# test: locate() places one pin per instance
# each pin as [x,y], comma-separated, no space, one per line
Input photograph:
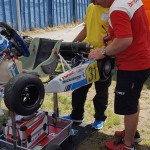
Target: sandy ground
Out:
[67,34]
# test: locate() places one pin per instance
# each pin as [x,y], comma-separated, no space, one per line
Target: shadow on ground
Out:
[83,132]
[142,147]
[89,139]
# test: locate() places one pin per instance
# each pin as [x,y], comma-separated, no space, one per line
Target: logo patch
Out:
[120,92]
[132,2]
[105,17]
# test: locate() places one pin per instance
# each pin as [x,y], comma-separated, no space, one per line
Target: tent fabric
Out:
[146,4]
[147,8]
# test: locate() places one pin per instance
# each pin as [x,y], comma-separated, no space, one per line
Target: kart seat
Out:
[42,60]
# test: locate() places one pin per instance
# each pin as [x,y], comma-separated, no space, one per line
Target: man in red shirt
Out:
[128,27]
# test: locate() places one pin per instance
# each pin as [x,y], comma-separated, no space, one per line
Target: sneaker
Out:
[119,145]
[98,124]
[137,137]
[69,118]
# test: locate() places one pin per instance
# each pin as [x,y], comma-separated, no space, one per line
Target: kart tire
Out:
[105,68]
[24,94]
[52,147]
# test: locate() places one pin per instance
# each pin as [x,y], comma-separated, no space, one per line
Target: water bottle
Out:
[12,69]
[3,43]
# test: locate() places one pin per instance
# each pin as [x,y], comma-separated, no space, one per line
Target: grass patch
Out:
[113,118]
[113,121]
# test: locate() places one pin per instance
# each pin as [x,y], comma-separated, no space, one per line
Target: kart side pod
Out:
[81,75]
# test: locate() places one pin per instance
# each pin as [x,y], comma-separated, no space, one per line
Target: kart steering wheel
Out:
[17,41]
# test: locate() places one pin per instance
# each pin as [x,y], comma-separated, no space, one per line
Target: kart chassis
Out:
[59,129]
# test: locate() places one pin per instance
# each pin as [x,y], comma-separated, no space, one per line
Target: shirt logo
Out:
[105,17]
[131,3]
[120,92]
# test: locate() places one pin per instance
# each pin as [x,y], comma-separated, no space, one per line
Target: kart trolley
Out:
[24,93]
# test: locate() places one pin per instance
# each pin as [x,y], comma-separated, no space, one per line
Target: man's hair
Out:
[93,1]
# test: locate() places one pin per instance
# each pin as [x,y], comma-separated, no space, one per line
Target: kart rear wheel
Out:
[105,68]
[52,147]
[24,94]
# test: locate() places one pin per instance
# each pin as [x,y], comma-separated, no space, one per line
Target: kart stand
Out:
[50,130]
[58,130]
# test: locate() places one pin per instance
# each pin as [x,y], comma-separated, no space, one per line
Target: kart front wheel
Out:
[24,94]
[105,67]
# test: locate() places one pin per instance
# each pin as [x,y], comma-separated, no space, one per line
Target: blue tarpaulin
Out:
[42,13]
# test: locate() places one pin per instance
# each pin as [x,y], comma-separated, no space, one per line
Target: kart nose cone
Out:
[52,87]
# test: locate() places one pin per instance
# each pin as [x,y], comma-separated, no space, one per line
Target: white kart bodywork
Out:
[74,78]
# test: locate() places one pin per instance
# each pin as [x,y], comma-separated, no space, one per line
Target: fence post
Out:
[18,16]
[50,19]
[74,11]
[3,11]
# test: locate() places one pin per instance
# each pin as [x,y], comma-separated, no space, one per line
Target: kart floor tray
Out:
[59,130]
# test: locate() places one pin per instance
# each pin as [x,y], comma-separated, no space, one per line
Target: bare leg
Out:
[131,122]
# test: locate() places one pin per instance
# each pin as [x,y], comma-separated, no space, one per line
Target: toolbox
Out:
[30,129]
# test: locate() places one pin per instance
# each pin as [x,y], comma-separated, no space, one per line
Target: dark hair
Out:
[93,1]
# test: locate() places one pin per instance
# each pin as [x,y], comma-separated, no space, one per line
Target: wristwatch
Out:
[103,50]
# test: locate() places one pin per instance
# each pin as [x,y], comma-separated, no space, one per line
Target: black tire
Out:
[105,68]
[52,147]
[24,94]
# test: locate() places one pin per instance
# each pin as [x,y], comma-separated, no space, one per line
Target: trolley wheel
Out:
[24,94]
[52,147]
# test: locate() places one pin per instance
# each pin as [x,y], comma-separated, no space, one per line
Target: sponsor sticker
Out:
[105,17]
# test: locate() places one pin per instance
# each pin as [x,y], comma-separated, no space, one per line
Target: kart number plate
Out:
[92,72]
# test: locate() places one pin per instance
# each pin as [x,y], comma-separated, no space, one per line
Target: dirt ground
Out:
[97,140]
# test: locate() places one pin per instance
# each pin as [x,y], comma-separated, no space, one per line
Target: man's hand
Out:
[106,39]
[96,54]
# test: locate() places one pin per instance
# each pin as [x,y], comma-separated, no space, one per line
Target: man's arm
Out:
[118,45]
[81,36]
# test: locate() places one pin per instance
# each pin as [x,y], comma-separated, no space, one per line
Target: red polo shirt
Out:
[137,55]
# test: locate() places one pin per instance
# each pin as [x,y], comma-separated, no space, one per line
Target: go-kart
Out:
[24,91]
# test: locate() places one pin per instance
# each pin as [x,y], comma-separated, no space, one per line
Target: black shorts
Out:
[128,90]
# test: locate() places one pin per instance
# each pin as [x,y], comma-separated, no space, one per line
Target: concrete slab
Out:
[67,34]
